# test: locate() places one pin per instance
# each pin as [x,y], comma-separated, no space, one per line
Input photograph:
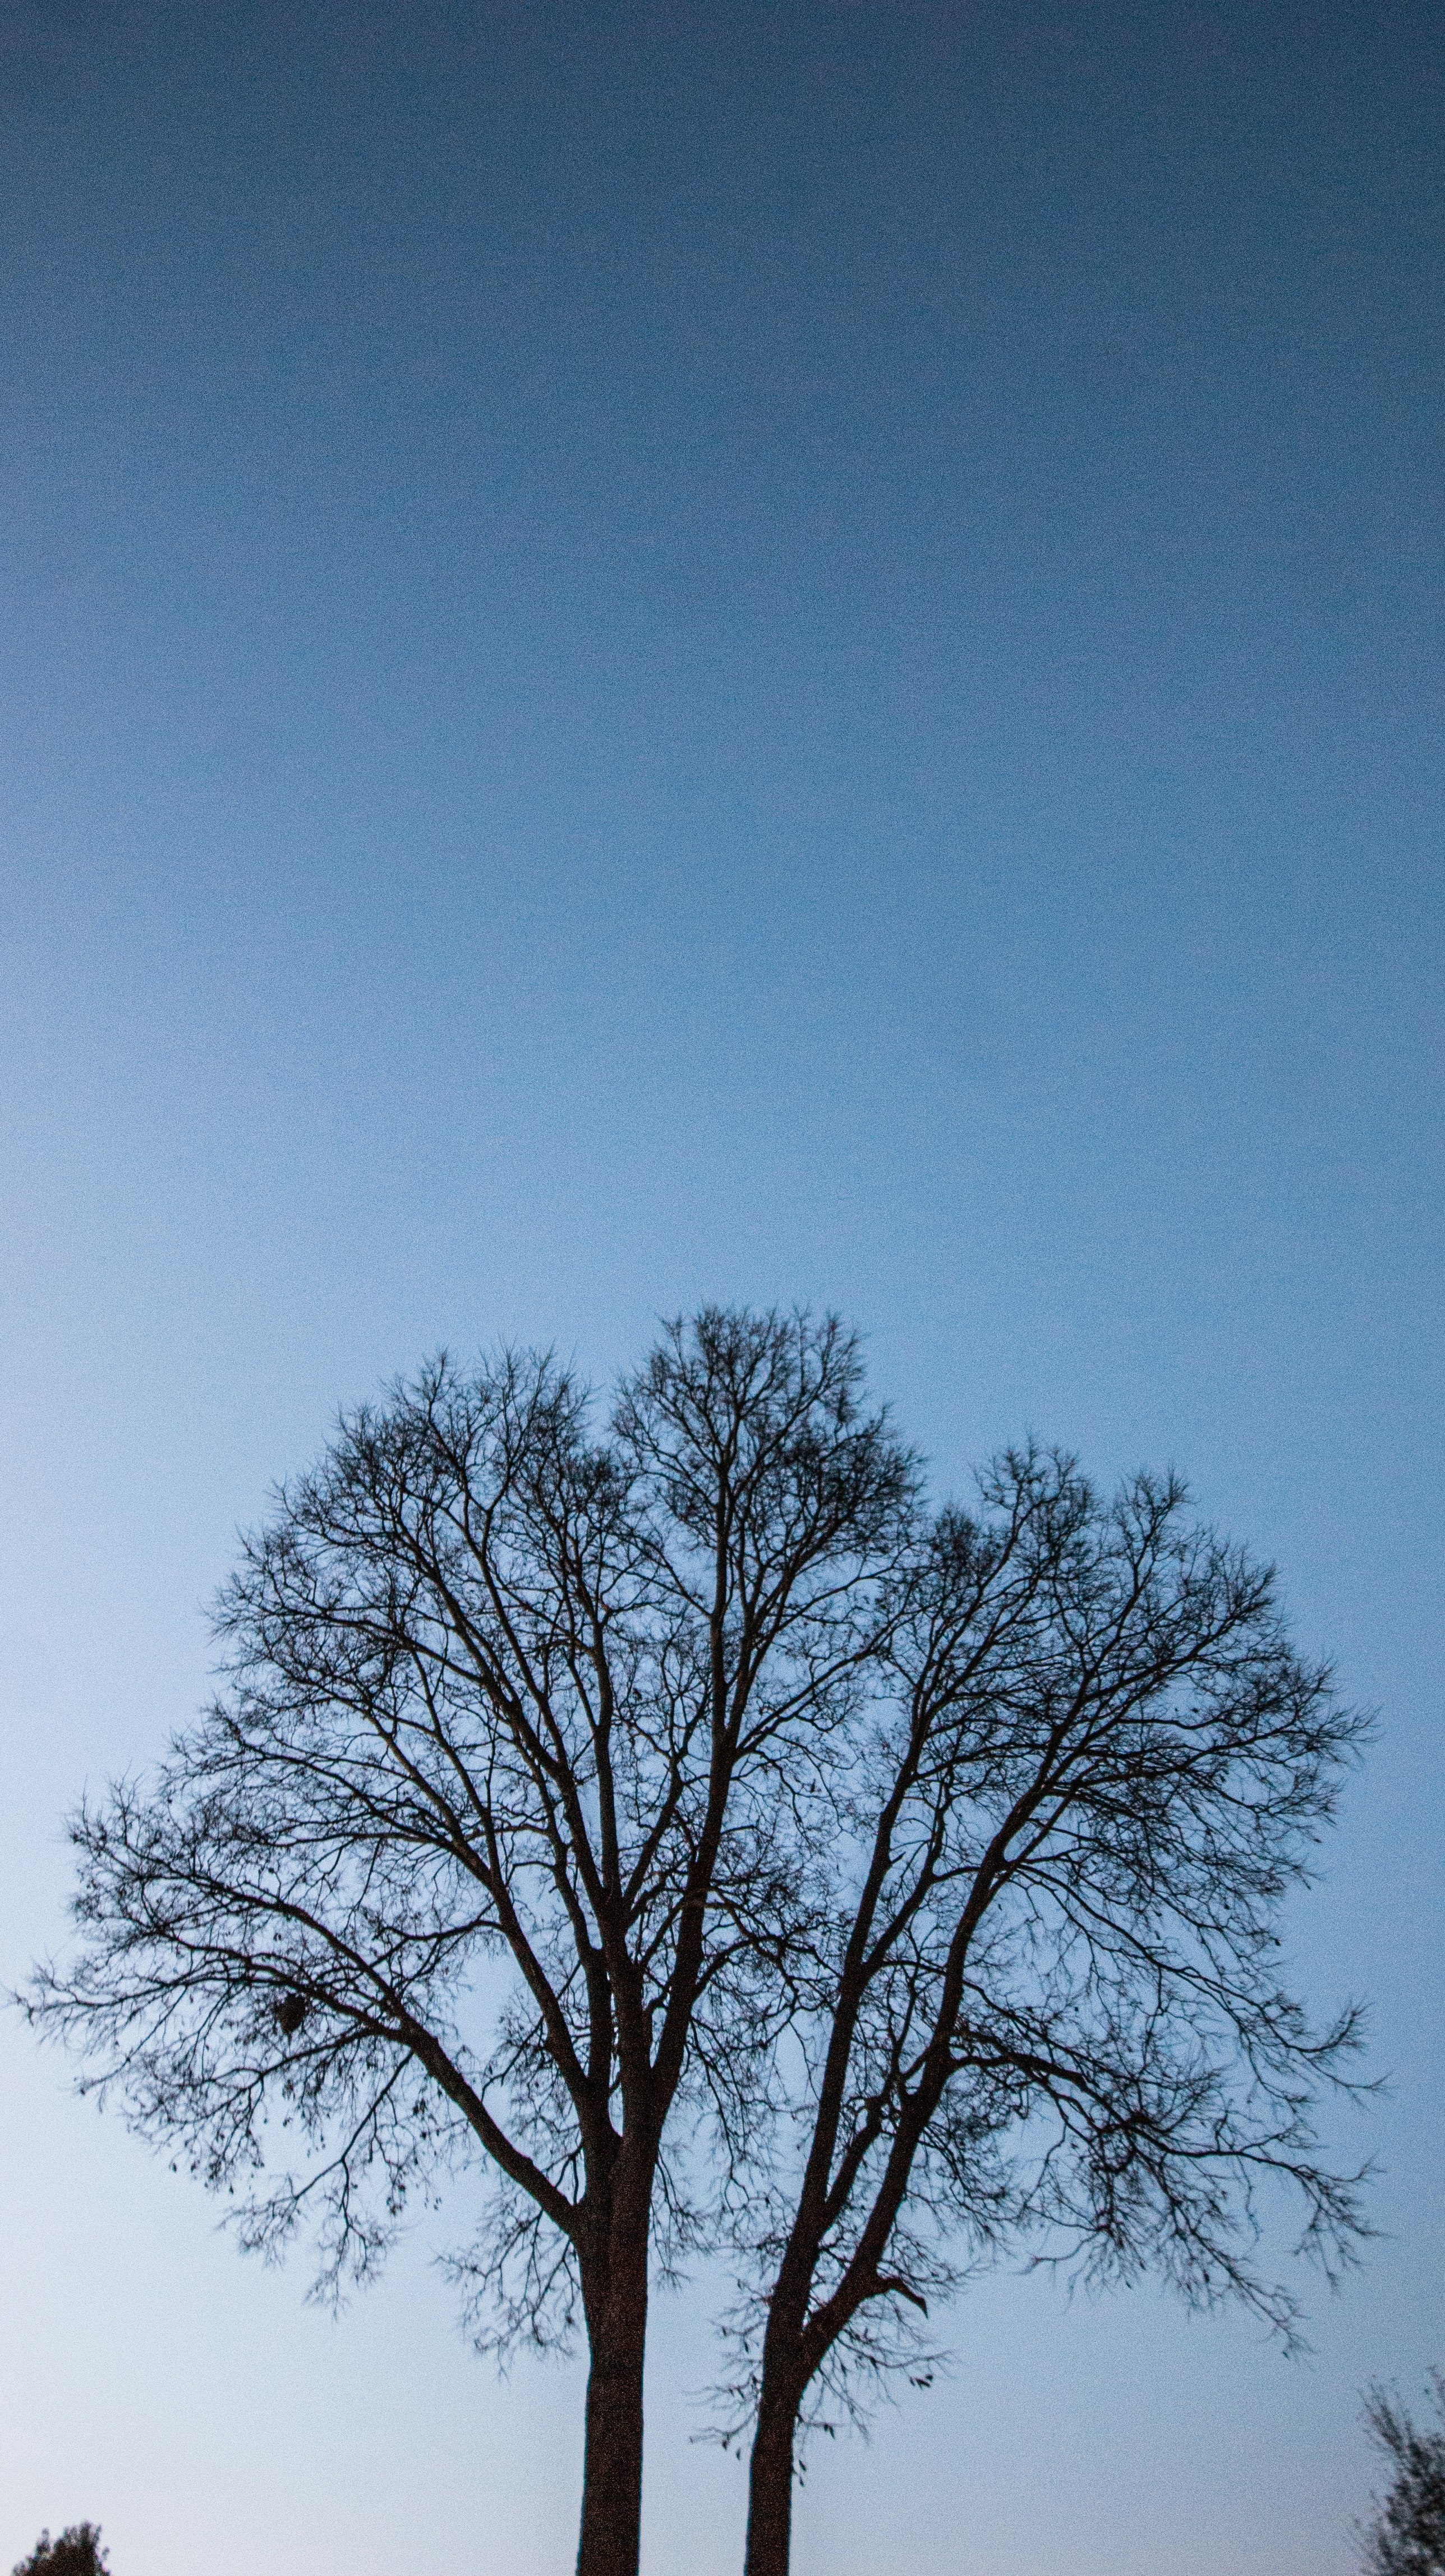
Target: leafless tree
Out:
[492,1843]
[1048,2013]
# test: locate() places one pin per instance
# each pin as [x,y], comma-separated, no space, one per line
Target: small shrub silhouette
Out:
[76,2553]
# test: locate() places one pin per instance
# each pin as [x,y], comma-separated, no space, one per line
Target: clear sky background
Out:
[659,652]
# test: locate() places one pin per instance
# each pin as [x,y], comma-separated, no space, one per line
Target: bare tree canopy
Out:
[679,1826]
[489,1847]
[1047,2010]
[1407,2535]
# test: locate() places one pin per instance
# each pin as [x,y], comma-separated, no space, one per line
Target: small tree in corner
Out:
[76,2553]
[1407,2536]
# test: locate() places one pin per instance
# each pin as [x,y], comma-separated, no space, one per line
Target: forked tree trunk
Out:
[611,2534]
[770,2483]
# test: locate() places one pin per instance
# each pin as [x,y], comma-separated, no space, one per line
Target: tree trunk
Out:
[611,2534]
[770,2483]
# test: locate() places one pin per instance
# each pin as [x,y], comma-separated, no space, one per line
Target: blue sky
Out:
[654,653]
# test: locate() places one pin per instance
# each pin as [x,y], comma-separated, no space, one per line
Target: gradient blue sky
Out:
[660,652]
